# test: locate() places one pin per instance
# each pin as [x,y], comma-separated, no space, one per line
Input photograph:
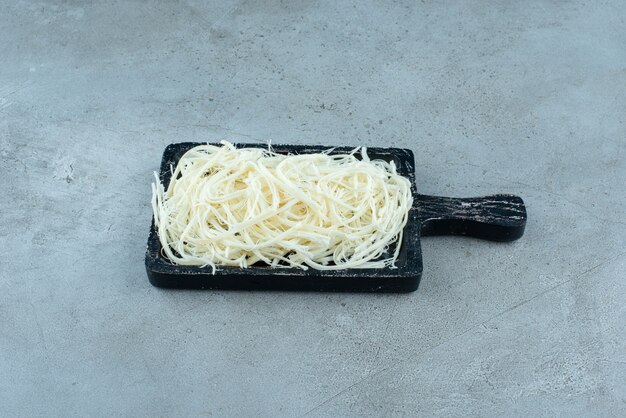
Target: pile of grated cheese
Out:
[228,206]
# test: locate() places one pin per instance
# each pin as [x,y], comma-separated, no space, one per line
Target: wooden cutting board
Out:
[499,217]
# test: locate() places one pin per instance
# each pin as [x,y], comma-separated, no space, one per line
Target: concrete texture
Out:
[520,97]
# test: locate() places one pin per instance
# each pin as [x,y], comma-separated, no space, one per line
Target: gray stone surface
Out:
[520,97]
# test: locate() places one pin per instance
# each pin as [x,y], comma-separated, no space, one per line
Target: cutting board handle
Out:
[500,217]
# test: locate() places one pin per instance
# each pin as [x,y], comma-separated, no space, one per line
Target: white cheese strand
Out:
[234,207]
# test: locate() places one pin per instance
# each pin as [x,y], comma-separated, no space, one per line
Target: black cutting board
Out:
[499,217]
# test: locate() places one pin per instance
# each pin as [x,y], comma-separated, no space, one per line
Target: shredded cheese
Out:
[226,206]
